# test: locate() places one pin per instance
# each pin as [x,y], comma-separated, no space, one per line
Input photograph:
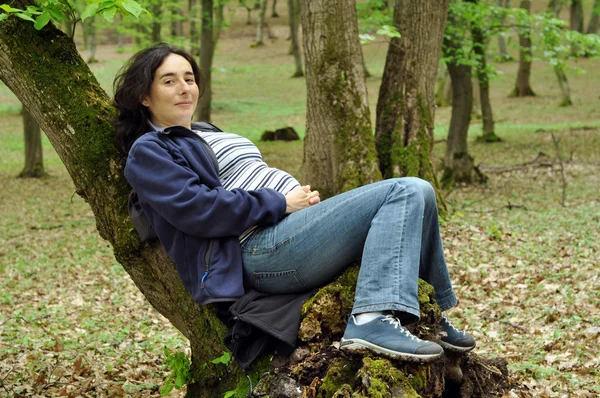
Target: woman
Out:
[239,223]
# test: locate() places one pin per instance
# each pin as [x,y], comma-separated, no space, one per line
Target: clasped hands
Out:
[300,198]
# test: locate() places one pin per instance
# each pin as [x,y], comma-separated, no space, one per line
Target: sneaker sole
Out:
[454,348]
[358,344]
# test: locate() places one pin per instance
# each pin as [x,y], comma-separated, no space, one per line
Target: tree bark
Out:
[206,58]
[261,23]
[458,165]
[487,116]
[274,10]
[34,160]
[156,10]
[339,148]
[594,18]
[44,70]
[576,23]
[193,15]
[295,46]
[405,107]
[522,86]
[217,24]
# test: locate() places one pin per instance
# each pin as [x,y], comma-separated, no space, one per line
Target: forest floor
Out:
[523,249]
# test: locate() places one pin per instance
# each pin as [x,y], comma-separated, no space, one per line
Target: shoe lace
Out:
[447,321]
[397,325]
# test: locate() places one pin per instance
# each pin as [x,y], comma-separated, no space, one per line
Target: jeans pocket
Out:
[279,282]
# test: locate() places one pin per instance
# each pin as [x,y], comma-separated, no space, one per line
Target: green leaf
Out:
[224,359]
[132,7]
[41,21]
[109,14]
[25,17]
[230,394]
[8,8]
[3,17]
[90,11]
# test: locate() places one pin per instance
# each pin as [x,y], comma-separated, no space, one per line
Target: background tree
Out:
[594,18]
[503,52]
[405,107]
[261,24]
[206,59]
[522,85]
[458,164]
[34,160]
[339,149]
[294,12]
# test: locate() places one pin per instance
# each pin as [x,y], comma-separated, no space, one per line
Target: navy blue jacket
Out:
[196,219]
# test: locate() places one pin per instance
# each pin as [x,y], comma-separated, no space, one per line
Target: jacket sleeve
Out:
[178,195]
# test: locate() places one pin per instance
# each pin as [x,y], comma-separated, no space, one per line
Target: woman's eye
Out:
[190,81]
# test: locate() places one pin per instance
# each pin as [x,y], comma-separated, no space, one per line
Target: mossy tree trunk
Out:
[458,164]
[487,115]
[206,59]
[339,148]
[522,86]
[293,11]
[44,70]
[405,107]
[34,160]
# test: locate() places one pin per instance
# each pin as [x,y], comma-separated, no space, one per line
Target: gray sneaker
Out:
[454,339]
[385,335]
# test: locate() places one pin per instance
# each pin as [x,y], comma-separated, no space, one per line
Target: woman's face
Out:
[174,93]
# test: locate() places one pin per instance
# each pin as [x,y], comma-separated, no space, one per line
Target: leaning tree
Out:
[44,70]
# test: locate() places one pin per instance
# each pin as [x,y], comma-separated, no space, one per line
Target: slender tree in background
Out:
[559,67]
[274,10]
[206,58]
[261,24]
[293,11]
[193,36]
[523,86]
[458,164]
[576,22]
[34,161]
[480,41]
[504,55]
[90,39]
[405,107]
[594,18]
[339,149]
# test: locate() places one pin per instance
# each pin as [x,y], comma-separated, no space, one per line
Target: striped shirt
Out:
[241,166]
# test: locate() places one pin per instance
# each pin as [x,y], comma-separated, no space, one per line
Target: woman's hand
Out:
[300,198]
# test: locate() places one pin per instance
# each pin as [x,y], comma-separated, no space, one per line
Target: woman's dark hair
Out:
[133,83]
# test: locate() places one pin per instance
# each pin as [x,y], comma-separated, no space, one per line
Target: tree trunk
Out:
[564,86]
[34,161]
[339,149]
[554,6]
[405,107]
[295,46]
[193,15]
[217,24]
[120,35]
[40,68]
[261,23]
[458,165]
[594,18]
[156,25]
[274,10]
[576,23]
[522,86]
[206,57]
[487,116]
[504,55]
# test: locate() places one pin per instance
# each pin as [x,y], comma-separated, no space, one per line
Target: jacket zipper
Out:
[207,262]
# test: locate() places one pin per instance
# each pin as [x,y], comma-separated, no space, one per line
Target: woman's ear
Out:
[146,102]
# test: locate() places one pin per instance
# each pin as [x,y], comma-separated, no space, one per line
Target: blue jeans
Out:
[392,224]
